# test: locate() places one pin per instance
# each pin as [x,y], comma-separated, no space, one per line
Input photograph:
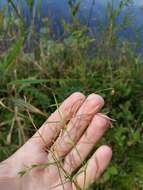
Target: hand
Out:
[54,158]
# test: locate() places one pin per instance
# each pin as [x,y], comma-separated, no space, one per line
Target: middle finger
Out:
[77,125]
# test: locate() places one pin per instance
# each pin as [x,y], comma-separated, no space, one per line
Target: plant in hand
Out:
[54,158]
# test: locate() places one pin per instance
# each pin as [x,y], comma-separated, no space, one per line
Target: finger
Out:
[78,124]
[52,127]
[94,168]
[94,132]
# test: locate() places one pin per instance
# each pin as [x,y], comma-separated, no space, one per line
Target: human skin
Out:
[54,157]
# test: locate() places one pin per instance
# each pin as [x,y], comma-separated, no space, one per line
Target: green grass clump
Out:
[105,65]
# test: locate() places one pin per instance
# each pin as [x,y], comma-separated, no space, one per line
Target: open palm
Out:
[54,158]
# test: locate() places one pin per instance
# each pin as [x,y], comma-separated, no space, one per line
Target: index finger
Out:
[57,121]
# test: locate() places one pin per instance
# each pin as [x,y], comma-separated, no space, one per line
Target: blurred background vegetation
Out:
[35,64]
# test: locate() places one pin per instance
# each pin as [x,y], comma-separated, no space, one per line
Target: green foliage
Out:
[103,65]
